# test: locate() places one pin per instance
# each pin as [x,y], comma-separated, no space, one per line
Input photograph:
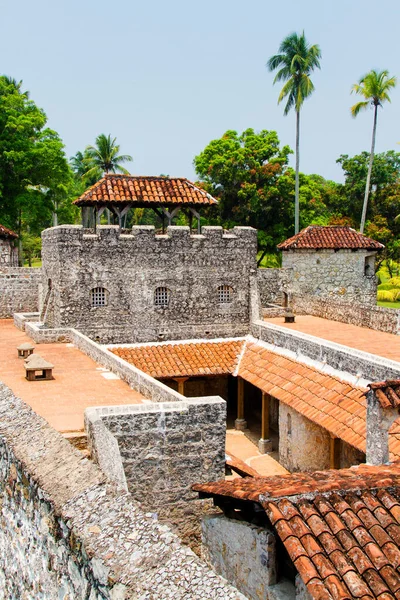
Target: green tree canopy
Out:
[34,172]
[249,175]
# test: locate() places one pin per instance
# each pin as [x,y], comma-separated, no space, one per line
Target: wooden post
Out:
[181,384]
[334,453]
[240,422]
[264,443]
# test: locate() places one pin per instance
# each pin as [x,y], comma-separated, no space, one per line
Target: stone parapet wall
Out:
[158,451]
[131,267]
[67,532]
[356,362]
[374,317]
[272,283]
[332,274]
[165,447]
[19,290]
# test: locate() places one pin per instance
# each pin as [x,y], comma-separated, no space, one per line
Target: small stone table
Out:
[25,350]
[37,368]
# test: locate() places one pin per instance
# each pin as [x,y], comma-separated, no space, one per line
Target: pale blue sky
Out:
[165,78]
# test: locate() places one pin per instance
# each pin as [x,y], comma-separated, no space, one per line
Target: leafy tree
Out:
[296,61]
[374,87]
[104,157]
[248,173]
[32,159]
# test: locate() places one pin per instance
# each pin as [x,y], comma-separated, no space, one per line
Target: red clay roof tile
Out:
[7,233]
[350,538]
[319,237]
[144,191]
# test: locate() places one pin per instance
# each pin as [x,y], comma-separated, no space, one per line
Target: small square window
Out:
[99,297]
[225,294]
[161,297]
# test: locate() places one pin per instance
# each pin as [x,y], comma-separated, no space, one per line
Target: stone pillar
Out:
[264,443]
[334,461]
[379,420]
[240,423]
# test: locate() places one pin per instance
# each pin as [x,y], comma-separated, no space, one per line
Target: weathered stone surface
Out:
[303,445]
[67,534]
[8,253]
[373,317]
[242,553]
[342,358]
[165,448]
[131,267]
[332,274]
[19,290]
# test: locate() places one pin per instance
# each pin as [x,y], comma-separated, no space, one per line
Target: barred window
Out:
[99,296]
[161,296]
[225,294]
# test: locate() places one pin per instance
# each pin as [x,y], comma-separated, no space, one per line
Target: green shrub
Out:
[395,282]
[385,286]
[387,295]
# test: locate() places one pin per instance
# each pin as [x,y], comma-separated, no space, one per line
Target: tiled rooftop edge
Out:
[178,342]
[387,369]
[96,412]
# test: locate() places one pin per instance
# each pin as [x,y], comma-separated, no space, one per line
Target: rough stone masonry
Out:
[129,268]
[68,533]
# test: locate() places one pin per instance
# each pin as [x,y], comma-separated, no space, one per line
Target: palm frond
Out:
[356,108]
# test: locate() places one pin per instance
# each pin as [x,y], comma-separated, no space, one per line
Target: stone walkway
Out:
[78,381]
[241,447]
[361,338]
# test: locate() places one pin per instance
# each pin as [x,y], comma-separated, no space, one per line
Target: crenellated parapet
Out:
[146,234]
[136,285]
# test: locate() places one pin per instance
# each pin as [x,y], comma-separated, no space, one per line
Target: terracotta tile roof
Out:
[340,528]
[239,466]
[178,360]
[7,233]
[317,236]
[144,191]
[387,392]
[335,405]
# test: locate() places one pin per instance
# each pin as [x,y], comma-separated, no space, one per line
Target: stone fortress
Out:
[180,316]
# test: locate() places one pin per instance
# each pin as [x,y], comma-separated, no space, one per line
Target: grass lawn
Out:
[389,304]
[36,262]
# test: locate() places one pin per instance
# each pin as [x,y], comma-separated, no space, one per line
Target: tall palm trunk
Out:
[367,185]
[296,188]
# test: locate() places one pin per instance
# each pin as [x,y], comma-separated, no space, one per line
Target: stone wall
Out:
[356,362]
[8,253]
[271,284]
[165,447]
[67,533]
[131,267]
[242,553]
[374,317]
[332,274]
[158,451]
[19,290]
[303,445]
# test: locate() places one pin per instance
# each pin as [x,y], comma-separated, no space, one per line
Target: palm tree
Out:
[296,61]
[16,84]
[104,157]
[374,86]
